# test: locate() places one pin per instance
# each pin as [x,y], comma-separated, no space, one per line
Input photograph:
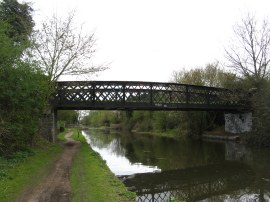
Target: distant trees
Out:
[211,75]
[61,48]
[67,117]
[101,118]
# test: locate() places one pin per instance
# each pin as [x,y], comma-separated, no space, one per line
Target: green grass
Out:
[91,179]
[25,169]
[79,138]
[61,136]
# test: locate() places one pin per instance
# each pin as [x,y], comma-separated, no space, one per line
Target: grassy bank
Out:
[25,169]
[91,179]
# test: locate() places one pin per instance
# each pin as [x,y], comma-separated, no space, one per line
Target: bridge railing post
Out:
[124,95]
[208,97]
[93,92]
[187,95]
[151,94]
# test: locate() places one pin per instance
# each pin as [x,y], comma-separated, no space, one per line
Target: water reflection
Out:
[161,169]
[190,184]
[114,155]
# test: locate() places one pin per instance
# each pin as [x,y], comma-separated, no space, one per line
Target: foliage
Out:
[260,136]
[197,122]
[22,100]
[101,118]
[61,136]
[19,17]
[8,52]
[164,121]
[24,89]
[211,75]
[249,55]
[61,48]
[68,116]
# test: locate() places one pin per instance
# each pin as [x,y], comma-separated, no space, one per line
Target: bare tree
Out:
[62,49]
[248,52]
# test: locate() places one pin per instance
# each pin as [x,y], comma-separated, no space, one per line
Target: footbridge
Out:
[135,95]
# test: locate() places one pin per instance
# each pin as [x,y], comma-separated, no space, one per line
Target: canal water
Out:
[164,169]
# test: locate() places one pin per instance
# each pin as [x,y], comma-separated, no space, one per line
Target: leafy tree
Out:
[23,88]
[211,75]
[101,118]
[260,135]
[62,49]
[8,52]
[19,17]
[22,100]
[68,116]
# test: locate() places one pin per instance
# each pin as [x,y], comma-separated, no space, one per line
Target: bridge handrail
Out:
[141,82]
[154,95]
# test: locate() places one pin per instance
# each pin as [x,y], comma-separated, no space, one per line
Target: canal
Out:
[164,169]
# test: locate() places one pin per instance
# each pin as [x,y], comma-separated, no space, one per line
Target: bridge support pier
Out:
[54,125]
[238,123]
[48,127]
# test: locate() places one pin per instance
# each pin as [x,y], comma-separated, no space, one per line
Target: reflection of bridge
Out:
[142,96]
[191,184]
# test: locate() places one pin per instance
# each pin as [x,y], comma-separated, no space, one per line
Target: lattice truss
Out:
[191,192]
[155,94]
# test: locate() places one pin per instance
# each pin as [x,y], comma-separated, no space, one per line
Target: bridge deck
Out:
[121,95]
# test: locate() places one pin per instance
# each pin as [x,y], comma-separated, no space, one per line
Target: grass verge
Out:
[25,169]
[91,179]
[61,136]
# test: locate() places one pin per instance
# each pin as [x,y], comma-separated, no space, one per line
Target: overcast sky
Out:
[146,40]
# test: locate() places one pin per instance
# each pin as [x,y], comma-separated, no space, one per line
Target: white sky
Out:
[146,40]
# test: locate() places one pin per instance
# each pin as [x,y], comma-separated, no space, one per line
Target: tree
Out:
[23,88]
[19,17]
[22,100]
[68,116]
[248,52]
[63,49]
[211,75]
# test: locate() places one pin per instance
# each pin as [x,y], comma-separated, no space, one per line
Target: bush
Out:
[23,97]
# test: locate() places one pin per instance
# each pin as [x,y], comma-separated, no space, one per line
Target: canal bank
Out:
[73,172]
[92,180]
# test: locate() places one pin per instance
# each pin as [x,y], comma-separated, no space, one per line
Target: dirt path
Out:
[56,187]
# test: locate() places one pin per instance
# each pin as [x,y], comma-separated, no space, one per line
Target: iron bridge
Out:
[131,95]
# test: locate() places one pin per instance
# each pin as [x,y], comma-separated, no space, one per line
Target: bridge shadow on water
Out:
[192,184]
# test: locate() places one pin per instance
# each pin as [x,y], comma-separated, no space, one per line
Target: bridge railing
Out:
[141,95]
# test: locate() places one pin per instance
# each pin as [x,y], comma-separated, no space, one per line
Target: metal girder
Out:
[131,95]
